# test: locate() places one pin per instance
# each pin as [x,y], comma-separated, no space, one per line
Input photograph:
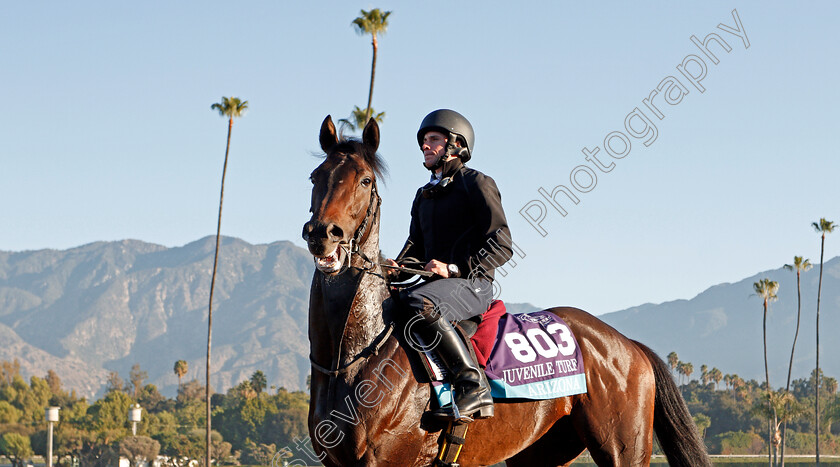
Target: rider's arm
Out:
[496,247]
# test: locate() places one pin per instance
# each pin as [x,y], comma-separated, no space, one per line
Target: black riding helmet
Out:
[450,123]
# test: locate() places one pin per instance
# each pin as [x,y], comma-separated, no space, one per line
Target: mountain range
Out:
[722,326]
[106,306]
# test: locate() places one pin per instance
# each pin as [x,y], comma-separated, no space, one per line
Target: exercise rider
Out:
[459,231]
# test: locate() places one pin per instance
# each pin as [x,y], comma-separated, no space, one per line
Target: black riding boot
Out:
[470,388]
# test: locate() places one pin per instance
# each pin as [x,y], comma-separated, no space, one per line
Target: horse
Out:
[367,406]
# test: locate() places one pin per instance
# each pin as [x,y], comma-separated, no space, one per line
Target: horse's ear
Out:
[328,137]
[370,136]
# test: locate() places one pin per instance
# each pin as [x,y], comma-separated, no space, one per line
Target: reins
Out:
[369,351]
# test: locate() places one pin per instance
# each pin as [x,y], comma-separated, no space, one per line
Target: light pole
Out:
[51,414]
[134,417]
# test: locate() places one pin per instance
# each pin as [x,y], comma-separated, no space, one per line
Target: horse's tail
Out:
[672,422]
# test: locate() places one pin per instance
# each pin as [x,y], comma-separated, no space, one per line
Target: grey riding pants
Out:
[455,299]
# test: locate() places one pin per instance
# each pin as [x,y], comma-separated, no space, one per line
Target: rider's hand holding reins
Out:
[392,273]
[437,267]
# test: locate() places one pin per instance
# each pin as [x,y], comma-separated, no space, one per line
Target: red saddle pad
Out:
[485,337]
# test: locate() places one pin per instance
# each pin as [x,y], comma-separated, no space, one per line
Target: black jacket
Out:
[462,223]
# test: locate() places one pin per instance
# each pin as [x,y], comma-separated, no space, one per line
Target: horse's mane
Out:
[355,146]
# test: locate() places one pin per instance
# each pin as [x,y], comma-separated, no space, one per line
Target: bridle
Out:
[368,266]
[352,247]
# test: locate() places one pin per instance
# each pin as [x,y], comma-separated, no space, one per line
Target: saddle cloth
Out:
[526,356]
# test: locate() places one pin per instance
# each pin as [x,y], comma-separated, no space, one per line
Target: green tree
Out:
[71,440]
[16,447]
[799,265]
[152,400]
[373,22]
[258,454]
[54,382]
[115,383]
[137,376]
[8,371]
[823,227]
[9,413]
[704,374]
[258,381]
[108,417]
[229,108]
[702,421]
[138,449]
[181,369]
[766,290]
[30,399]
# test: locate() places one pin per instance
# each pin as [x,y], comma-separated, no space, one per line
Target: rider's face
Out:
[434,146]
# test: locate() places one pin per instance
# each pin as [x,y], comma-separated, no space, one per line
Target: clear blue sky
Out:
[108,132]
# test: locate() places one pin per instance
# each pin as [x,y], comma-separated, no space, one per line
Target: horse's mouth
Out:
[331,263]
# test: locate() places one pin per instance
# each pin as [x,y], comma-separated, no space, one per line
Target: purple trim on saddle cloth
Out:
[535,357]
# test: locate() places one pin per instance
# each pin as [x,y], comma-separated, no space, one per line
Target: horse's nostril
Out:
[307,229]
[335,232]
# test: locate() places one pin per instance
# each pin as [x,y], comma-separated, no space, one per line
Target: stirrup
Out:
[450,413]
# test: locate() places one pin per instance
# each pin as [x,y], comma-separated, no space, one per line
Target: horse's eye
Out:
[312,179]
[366,182]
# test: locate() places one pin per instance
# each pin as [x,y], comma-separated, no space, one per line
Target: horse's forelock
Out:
[354,146]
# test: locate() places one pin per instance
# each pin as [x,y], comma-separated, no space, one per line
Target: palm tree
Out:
[673,360]
[716,375]
[824,227]
[258,381]
[689,369]
[371,22]
[680,371]
[357,119]
[230,108]
[181,368]
[766,290]
[799,265]
[830,384]
[704,374]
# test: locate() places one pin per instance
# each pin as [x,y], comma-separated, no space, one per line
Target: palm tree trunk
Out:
[817,401]
[372,75]
[210,307]
[767,379]
[790,366]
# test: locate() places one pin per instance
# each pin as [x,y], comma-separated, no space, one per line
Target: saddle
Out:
[480,331]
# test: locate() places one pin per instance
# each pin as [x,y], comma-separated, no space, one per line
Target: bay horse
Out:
[366,405]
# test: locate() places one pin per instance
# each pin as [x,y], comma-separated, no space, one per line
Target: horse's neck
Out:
[347,310]
[365,321]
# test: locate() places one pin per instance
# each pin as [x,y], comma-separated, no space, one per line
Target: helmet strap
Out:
[451,149]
